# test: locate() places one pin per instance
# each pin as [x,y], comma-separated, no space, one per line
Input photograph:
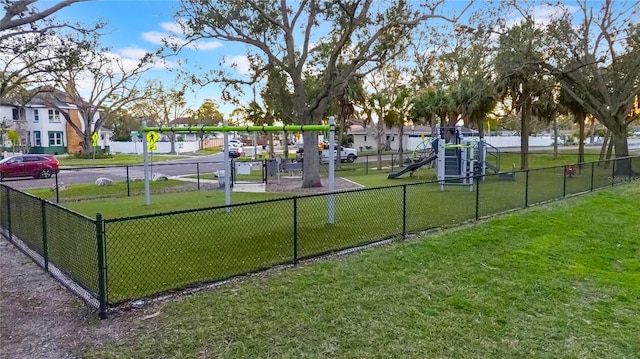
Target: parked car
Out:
[235,152]
[235,142]
[346,155]
[37,166]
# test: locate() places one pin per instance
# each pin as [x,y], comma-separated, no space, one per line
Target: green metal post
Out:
[45,245]
[102,296]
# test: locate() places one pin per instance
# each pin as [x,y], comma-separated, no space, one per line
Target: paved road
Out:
[185,166]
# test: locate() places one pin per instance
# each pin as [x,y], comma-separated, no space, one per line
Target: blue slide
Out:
[412,167]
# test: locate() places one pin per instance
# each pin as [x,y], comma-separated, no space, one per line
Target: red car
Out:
[37,166]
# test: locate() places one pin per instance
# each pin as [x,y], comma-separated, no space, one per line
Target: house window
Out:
[55,138]
[36,115]
[17,113]
[365,138]
[54,116]
[37,139]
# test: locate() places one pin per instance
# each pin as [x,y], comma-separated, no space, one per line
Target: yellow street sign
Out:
[152,147]
[94,139]
[152,137]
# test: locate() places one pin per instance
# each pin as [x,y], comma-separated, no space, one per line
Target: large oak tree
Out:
[306,37]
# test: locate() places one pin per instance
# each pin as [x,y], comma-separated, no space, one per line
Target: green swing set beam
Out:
[196,129]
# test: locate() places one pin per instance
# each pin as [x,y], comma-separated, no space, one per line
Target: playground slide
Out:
[413,167]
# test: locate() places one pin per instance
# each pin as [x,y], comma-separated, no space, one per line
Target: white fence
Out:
[163,147]
[495,141]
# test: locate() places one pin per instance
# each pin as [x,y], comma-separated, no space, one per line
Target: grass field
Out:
[119,159]
[151,254]
[147,255]
[560,281]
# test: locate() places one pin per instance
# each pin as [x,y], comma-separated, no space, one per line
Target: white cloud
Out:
[132,52]
[240,63]
[155,37]
[172,27]
[158,38]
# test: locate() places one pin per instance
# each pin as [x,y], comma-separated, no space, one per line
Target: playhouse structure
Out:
[458,161]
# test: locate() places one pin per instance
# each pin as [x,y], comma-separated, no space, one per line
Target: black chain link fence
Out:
[122,259]
[62,242]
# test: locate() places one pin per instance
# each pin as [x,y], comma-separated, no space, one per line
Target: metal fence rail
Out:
[111,261]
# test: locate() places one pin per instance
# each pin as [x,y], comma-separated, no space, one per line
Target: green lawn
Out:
[118,159]
[152,254]
[165,252]
[210,150]
[552,282]
[90,192]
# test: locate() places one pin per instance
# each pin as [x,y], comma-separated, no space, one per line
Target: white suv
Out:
[346,155]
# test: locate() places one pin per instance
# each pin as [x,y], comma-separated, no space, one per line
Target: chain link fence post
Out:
[526,189]
[564,181]
[613,173]
[366,168]
[45,245]
[198,173]
[477,200]
[592,173]
[404,211]
[102,296]
[295,230]
[9,214]
[128,181]
[57,189]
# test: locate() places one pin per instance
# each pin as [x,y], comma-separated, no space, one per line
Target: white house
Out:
[42,128]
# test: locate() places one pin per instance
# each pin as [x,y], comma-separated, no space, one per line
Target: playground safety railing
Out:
[111,261]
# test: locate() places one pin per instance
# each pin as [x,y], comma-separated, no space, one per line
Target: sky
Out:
[137,26]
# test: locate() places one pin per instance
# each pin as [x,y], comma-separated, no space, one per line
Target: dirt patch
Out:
[292,185]
[40,319]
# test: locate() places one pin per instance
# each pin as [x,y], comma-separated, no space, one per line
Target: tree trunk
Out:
[340,129]
[311,162]
[271,151]
[609,148]
[400,145]
[87,149]
[555,137]
[480,124]
[605,143]
[524,128]
[581,136]
[623,162]
[592,130]
[286,146]
[379,134]
[172,138]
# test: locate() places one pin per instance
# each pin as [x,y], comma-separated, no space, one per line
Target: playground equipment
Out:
[457,162]
[150,137]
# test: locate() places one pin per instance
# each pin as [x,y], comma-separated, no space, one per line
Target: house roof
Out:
[181,121]
[43,97]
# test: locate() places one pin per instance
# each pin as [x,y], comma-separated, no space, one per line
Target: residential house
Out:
[42,128]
